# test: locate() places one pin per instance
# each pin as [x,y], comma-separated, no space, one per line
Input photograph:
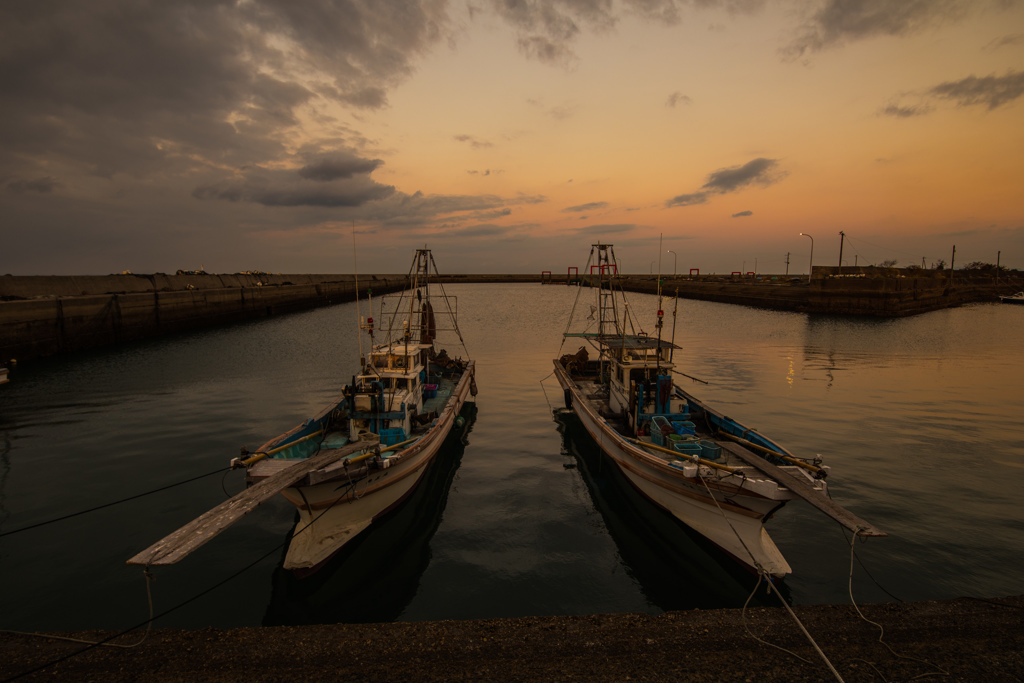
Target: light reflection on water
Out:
[919,419]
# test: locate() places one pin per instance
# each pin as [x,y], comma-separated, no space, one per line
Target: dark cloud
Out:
[688,199]
[677,98]
[743,213]
[759,171]
[342,180]
[607,229]
[905,112]
[990,91]
[113,87]
[587,207]
[546,30]
[1004,41]
[339,167]
[42,185]
[473,142]
[833,23]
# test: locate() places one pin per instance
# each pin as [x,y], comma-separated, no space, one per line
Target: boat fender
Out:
[568,398]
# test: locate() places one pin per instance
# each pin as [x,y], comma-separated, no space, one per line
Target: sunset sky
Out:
[508,135]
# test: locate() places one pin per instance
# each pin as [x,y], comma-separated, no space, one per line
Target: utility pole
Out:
[998,256]
[787,264]
[951,260]
[842,236]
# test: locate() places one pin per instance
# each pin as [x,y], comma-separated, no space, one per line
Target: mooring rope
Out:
[116,502]
[881,630]
[761,571]
[148,623]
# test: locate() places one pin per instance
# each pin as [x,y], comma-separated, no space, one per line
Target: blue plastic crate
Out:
[389,437]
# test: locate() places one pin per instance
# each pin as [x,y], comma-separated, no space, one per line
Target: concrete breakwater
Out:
[44,316]
[48,315]
[883,297]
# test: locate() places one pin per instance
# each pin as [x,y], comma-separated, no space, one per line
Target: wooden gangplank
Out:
[179,544]
[804,490]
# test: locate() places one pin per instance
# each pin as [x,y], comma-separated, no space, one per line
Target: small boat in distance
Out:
[717,476]
[1017,298]
[364,453]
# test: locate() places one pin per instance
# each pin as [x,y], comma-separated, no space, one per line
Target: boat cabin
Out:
[640,379]
[388,394]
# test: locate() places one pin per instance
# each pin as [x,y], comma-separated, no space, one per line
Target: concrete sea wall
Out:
[47,315]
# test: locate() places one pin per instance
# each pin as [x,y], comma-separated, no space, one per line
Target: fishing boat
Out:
[1017,298]
[366,451]
[717,476]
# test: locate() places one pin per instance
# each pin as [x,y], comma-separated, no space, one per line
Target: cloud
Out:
[338,167]
[758,171]
[341,180]
[607,229]
[905,112]
[688,199]
[472,141]
[41,185]
[586,207]
[761,171]
[992,91]
[546,31]
[104,89]
[1005,41]
[836,22]
[989,91]
[743,213]
[678,98]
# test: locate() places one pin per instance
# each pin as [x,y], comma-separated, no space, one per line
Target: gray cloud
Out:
[761,171]
[905,112]
[992,91]
[688,199]
[677,98]
[743,213]
[586,207]
[758,171]
[338,167]
[835,22]
[473,142]
[607,229]
[107,88]
[1004,41]
[989,91]
[547,30]
[42,185]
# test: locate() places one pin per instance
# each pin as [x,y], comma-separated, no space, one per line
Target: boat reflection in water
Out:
[374,577]
[675,567]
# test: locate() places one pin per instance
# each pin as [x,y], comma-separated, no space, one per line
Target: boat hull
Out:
[728,516]
[333,512]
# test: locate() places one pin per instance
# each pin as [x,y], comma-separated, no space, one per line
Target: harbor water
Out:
[918,418]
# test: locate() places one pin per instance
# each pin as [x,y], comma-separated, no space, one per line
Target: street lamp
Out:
[673,262]
[810,268]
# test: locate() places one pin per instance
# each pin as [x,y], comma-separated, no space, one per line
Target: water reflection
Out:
[676,568]
[373,578]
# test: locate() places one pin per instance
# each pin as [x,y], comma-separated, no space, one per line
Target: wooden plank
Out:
[804,490]
[179,544]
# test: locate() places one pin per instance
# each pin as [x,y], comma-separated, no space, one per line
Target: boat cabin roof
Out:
[635,342]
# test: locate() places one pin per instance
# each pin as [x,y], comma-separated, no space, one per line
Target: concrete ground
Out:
[949,640]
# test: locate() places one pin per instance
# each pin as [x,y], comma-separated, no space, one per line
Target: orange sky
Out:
[511,136]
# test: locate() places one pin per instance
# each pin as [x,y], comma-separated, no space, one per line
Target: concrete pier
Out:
[48,315]
[947,640]
[44,316]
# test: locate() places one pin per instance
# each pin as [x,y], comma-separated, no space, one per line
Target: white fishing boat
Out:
[366,451]
[1017,298]
[715,475]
